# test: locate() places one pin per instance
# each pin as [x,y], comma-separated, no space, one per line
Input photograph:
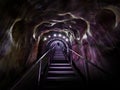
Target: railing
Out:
[33,66]
[45,54]
[87,67]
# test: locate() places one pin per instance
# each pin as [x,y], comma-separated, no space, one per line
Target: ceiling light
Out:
[78,38]
[49,36]
[54,35]
[63,37]
[59,35]
[66,40]
[44,39]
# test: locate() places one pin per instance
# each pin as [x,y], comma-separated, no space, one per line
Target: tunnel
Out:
[59,44]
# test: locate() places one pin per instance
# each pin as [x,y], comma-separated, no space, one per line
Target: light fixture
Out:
[49,36]
[78,39]
[63,37]
[84,36]
[44,39]
[66,39]
[54,35]
[34,35]
[59,35]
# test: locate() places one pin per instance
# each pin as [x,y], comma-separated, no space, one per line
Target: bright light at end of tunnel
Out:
[54,35]
[44,39]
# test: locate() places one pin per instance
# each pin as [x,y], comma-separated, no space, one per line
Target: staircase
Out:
[60,73]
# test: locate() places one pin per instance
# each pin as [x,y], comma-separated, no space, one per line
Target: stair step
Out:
[58,67]
[59,58]
[61,72]
[59,64]
[58,61]
[61,75]
[59,54]
[61,78]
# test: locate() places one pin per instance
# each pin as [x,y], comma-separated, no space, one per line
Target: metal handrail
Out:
[38,61]
[99,68]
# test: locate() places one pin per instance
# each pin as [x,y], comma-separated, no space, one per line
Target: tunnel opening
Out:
[60,45]
[58,42]
[54,35]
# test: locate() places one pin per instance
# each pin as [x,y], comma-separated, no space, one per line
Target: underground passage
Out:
[59,44]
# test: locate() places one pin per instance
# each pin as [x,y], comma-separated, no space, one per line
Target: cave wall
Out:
[18,47]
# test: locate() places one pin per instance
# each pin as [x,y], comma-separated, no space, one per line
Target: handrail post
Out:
[40,63]
[71,58]
[39,73]
[86,68]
